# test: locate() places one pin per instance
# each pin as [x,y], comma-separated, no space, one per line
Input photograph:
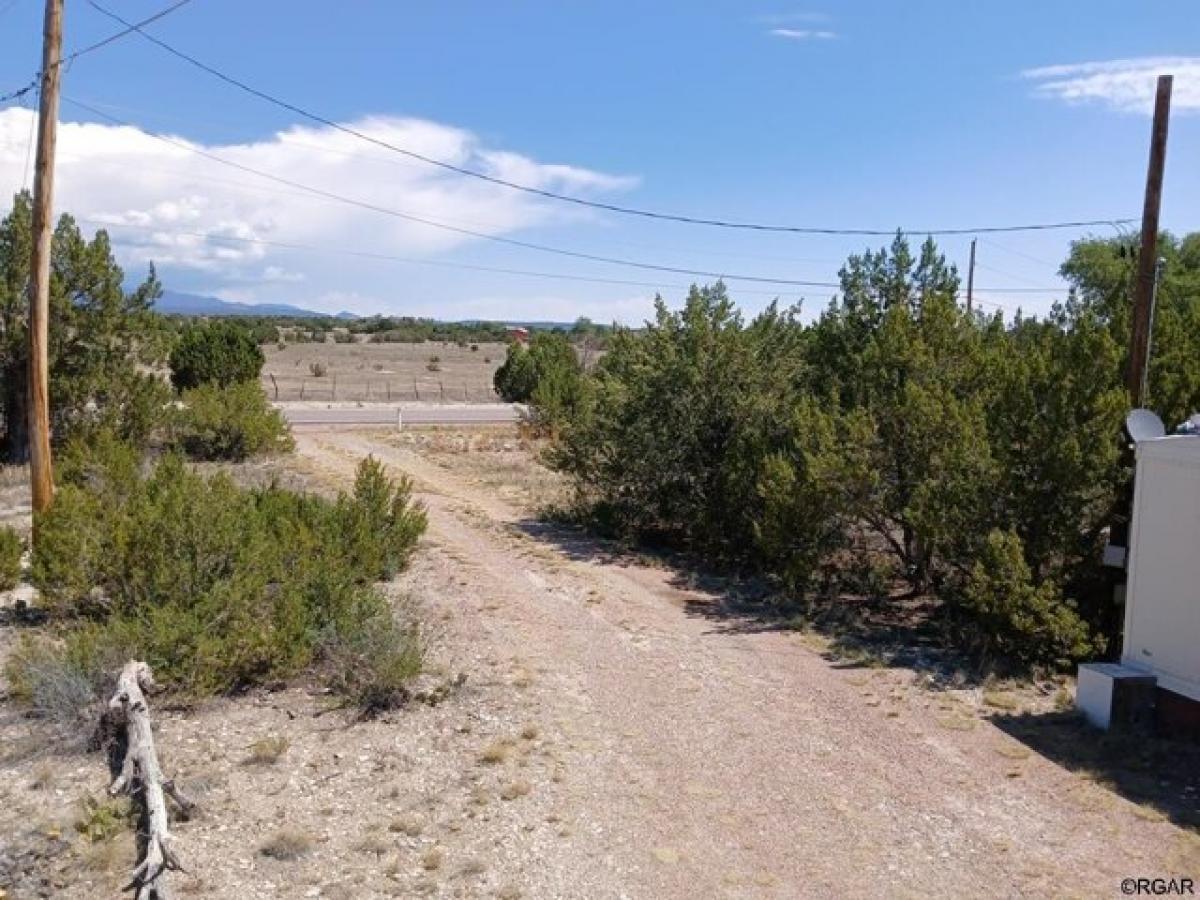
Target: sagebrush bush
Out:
[54,687]
[11,548]
[219,352]
[215,586]
[373,658]
[230,423]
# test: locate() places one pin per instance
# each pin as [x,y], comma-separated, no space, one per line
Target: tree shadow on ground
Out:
[903,630]
[1159,774]
[898,630]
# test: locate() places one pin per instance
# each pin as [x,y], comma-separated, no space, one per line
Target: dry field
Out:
[619,734]
[382,372]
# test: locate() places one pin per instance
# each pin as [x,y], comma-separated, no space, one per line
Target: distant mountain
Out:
[179,303]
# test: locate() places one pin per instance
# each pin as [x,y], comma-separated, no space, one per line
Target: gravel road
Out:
[705,759]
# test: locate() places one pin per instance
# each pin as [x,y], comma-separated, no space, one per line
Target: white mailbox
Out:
[1162,600]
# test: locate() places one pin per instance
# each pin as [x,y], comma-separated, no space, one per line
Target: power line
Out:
[1020,253]
[433,223]
[28,150]
[130,27]
[287,141]
[568,198]
[1011,275]
[387,257]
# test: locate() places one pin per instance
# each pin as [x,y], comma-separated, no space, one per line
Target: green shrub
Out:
[547,373]
[379,523]
[11,548]
[1005,614]
[215,586]
[230,423]
[896,424]
[220,352]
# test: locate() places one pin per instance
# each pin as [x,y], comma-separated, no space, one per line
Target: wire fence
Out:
[380,390]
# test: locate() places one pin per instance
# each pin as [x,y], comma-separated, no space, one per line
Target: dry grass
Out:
[409,825]
[530,732]
[516,789]
[432,859]
[364,371]
[499,458]
[1013,751]
[43,776]
[1002,700]
[287,844]
[957,722]
[110,856]
[373,844]
[267,751]
[497,752]
[471,868]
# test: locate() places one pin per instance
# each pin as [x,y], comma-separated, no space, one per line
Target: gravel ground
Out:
[615,737]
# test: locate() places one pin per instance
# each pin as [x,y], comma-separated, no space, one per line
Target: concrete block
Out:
[1111,695]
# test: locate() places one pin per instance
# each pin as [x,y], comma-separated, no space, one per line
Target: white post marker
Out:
[399,418]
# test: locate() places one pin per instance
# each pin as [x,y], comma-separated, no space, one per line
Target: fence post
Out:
[399,419]
[275,383]
[442,388]
[334,387]
[301,388]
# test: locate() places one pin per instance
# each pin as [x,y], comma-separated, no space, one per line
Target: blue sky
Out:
[855,115]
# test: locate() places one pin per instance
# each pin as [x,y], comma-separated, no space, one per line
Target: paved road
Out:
[496,413]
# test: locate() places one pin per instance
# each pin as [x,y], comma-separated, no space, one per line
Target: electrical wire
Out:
[1006,274]
[387,257]
[1020,253]
[568,198]
[287,141]
[130,28]
[469,232]
[28,150]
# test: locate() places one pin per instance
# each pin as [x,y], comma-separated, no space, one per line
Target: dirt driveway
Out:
[703,759]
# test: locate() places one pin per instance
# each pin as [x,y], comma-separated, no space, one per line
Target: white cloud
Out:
[802,34]
[1126,85]
[171,206]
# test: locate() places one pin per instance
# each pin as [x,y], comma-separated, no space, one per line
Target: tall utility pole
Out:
[41,471]
[971,277]
[1143,297]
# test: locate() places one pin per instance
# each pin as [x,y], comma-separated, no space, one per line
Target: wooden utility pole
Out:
[1143,297]
[971,277]
[41,471]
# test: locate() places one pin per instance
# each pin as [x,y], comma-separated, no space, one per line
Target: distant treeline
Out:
[396,330]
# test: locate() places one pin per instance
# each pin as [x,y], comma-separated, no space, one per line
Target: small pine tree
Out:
[220,353]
